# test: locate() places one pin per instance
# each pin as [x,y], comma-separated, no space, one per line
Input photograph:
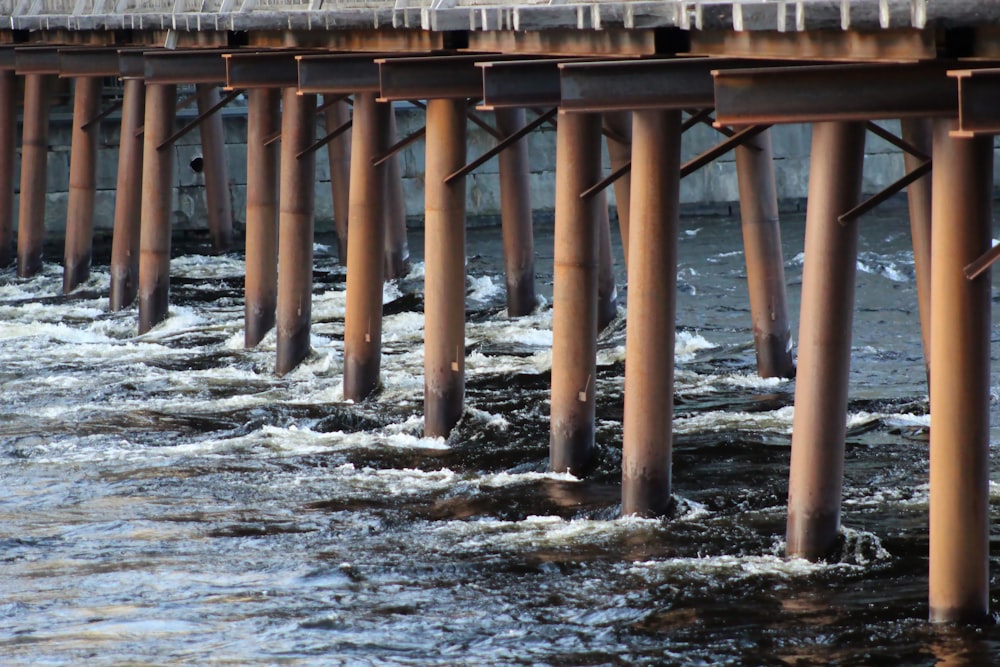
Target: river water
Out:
[167,500]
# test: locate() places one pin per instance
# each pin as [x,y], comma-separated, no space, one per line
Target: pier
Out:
[634,74]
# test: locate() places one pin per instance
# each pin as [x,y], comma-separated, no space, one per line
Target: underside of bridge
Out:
[639,73]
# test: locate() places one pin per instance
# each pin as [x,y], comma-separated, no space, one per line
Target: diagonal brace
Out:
[501,146]
[890,190]
[325,140]
[113,107]
[200,119]
[905,146]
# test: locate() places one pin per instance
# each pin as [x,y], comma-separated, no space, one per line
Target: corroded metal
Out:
[515,213]
[919,132]
[649,337]
[297,201]
[367,223]
[213,142]
[764,259]
[574,294]
[261,286]
[82,183]
[128,198]
[157,195]
[34,160]
[8,151]
[444,258]
[338,153]
[961,203]
[827,313]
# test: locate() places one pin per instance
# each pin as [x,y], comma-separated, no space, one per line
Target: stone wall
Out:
[709,187]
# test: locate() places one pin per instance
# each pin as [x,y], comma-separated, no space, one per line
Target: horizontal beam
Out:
[340,73]
[833,92]
[132,63]
[432,77]
[36,60]
[629,85]
[978,102]
[521,83]
[193,66]
[7,61]
[88,62]
[262,69]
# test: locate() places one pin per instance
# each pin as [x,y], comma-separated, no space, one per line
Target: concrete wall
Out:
[713,185]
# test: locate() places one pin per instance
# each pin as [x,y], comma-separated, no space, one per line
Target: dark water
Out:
[167,500]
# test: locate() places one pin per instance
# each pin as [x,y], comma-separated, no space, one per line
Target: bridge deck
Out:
[480,15]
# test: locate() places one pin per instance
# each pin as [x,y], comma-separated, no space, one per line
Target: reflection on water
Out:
[168,500]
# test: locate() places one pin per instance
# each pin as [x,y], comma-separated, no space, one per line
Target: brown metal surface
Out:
[894,44]
[649,336]
[618,138]
[657,83]
[515,216]
[128,198]
[959,579]
[132,63]
[213,141]
[8,62]
[833,92]
[561,42]
[192,66]
[86,62]
[82,183]
[340,73]
[432,77]
[444,277]
[367,222]
[205,112]
[827,313]
[36,60]
[772,333]
[607,293]
[261,287]
[397,247]
[297,200]
[8,152]
[269,69]
[34,160]
[157,211]
[978,101]
[521,83]
[339,157]
[574,293]
[506,142]
[918,132]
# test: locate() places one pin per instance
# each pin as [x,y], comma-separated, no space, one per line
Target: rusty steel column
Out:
[619,126]
[919,132]
[8,152]
[261,286]
[34,159]
[820,422]
[367,223]
[82,182]
[397,248]
[297,200]
[772,333]
[213,150]
[607,293]
[960,381]
[339,153]
[515,217]
[444,258]
[574,293]
[128,197]
[157,199]
[649,336]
